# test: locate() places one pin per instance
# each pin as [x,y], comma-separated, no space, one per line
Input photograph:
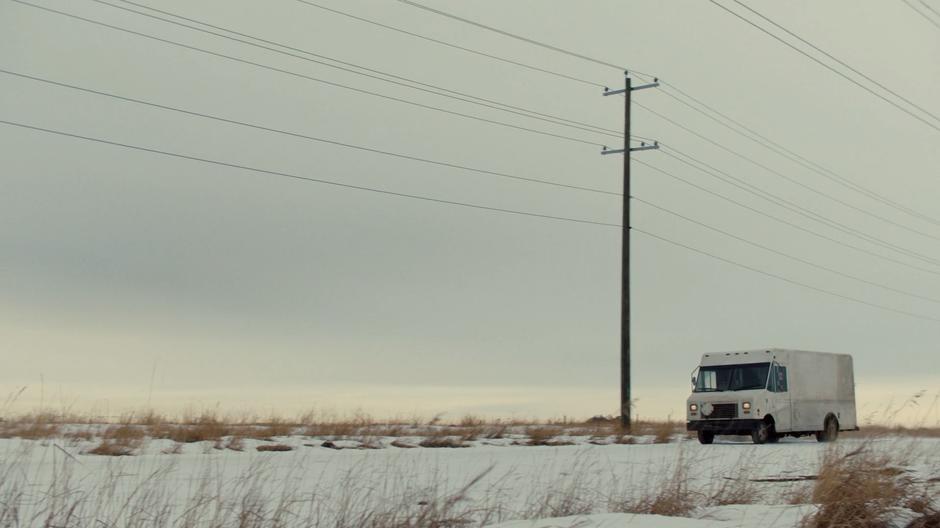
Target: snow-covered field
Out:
[55,482]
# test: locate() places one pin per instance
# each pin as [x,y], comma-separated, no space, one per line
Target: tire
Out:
[774,438]
[706,437]
[830,430]
[763,433]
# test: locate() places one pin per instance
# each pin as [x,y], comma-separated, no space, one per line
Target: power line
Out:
[304,136]
[786,222]
[446,202]
[792,206]
[929,7]
[921,13]
[784,254]
[429,88]
[304,178]
[769,144]
[454,46]
[785,279]
[788,178]
[840,61]
[820,218]
[523,39]
[308,77]
[830,68]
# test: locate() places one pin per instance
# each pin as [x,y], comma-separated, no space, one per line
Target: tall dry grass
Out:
[865,487]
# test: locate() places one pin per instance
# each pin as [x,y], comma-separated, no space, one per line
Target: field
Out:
[206,471]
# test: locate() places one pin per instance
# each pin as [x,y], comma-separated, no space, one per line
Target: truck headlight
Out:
[746,406]
[693,408]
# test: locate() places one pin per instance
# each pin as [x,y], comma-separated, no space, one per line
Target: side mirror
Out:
[694,377]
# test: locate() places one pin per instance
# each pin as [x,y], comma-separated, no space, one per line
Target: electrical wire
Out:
[830,68]
[782,278]
[787,177]
[769,144]
[302,178]
[921,13]
[784,254]
[428,88]
[766,143]
[452,45]
[308,77]
[786,222]
[930,7]
[840,61]
[790,205]
[454,203]
[525,39]
[303,136]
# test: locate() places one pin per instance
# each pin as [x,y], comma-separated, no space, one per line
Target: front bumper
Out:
[736,426]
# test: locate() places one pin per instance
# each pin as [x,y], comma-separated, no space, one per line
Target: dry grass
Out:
[858,489]
[29,430]
[931,520]
[546,436]
[274,448]
[880,431]
[735,490]
[122,440]
[661,431]
[443,441]
[668,495]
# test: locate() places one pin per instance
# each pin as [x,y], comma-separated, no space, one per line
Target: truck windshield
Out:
[732,377]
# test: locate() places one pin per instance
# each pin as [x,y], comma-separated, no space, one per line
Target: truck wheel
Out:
[706,437]
[763,433]
[830,430]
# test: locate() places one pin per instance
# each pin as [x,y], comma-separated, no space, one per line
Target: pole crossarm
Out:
[608,91]
[643,146]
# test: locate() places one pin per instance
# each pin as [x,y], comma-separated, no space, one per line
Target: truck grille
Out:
[724,410]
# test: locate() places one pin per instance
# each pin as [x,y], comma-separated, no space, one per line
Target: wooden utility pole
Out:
[625,337]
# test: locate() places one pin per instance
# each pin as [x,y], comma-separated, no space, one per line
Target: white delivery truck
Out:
[772,393]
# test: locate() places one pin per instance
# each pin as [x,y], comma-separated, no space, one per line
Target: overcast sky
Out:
[130,279]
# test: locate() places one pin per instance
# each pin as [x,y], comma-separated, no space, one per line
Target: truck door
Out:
[781,404]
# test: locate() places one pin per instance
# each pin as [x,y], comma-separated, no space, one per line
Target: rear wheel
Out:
[763,433]
[706,437]
[830,430]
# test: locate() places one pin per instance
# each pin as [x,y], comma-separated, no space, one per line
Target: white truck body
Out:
[770,393]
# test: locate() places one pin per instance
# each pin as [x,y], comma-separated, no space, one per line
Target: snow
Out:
[767,516]
[564,486]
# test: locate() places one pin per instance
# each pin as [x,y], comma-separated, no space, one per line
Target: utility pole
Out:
[625,338]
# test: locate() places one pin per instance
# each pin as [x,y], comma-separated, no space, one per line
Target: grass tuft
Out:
[443,441]
[274,448]
[858,488]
